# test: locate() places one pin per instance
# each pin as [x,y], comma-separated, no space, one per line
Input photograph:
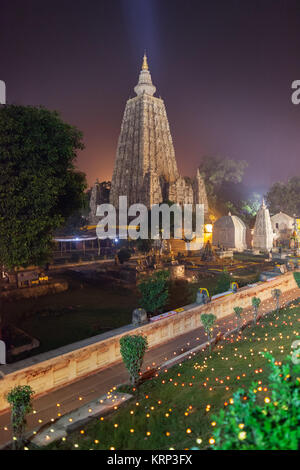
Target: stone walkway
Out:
[50,407]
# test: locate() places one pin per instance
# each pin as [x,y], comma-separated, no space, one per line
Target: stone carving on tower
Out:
[263,233]
[145,167]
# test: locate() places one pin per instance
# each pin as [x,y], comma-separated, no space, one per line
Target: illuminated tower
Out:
[145,167]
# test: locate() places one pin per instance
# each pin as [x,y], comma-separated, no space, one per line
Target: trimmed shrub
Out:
[20,402]
[133,348]
[208,320]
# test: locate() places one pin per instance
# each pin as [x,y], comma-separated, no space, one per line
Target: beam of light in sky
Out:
[141,20]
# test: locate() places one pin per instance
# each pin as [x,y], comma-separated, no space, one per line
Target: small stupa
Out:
[263,233]
[229,232]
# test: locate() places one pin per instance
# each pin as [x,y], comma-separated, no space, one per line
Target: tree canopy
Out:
[219,175]
[154,291]
[285,197]
[39,185]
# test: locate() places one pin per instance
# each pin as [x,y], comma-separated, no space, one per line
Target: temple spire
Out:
[145,84]
[145,62]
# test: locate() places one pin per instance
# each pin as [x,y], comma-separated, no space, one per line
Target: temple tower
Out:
[145,152]
[145,167]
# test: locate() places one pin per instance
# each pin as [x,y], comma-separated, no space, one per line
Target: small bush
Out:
[19,399]
[124,255]
[223,282]
[238,313]
[208,320]
[276,294]
[133,348]
[154,291]
[255,304]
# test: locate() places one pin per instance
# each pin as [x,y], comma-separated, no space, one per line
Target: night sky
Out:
[224,69]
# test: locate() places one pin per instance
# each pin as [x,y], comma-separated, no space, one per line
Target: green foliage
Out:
[124,255]
[19,399]
[208,320]
[285,197]
[251,205]
[76,221]
[276,293]
[255,304]
[133,348]
[39,186]
[297,278]
[269,425]
[218,173]
[154,291]
[238,313]
[223,282]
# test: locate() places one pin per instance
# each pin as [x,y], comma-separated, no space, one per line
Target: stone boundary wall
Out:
[58,368]
[35,291]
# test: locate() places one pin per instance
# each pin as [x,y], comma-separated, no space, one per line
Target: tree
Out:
[124,255]
[133,348]
[75,223]
[208,320]
[154,291]
[223,282]
[238,313]
[218,172]
[285,197]
[39,186]
[247,209]
[20,400]
[255,304]
[276,294]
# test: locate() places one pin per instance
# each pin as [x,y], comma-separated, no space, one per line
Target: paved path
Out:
[59,402]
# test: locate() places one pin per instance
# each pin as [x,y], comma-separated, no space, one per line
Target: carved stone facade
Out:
[145,168]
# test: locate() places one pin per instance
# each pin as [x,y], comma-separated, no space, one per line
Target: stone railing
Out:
[62,366]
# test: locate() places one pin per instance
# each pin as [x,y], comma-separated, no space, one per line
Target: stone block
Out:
[139,316]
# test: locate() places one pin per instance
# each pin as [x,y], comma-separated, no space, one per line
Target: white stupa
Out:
[263,232]
[230,232]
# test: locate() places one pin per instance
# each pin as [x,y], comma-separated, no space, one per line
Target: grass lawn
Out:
[175,409]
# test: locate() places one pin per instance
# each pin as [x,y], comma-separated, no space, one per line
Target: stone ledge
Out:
[79,417]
